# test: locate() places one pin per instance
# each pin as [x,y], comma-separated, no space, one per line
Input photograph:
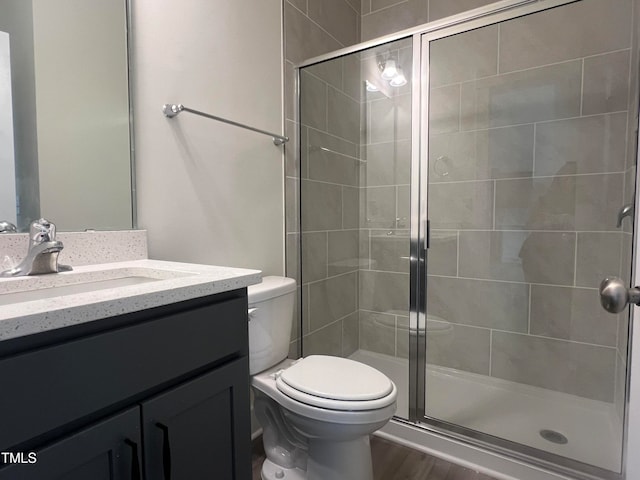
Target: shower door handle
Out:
[426,232]
[615,296]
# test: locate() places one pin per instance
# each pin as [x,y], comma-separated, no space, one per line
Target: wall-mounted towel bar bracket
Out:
[173,109]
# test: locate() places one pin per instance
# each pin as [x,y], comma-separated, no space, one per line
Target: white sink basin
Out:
[50,292]
[30,288]
[39,303]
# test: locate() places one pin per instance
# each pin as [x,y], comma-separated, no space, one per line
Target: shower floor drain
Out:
[554,437]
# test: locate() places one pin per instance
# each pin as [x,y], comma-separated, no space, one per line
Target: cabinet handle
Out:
[135,460]
[166,450]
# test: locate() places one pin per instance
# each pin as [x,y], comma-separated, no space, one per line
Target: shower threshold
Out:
[513,411]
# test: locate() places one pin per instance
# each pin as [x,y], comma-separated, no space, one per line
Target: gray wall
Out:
[209,192]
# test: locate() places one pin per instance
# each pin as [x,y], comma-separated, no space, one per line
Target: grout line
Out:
[369,257]
[495,187]
[330,230]
[326,105]
[315,23]
[495,280]
[331,183]
[460,108]
[526,178]
[498,50]
[528,69]
[326,269]
[358,14]
[475,80]
[561,119]
[458,253]
[608,53]
[333,277]
[490,351]
[341,210]
[371,11]
[529,310]
[575,261]
[395,336]
[533,160]
[521,230]
[328,134]
[402,231]
[332,323]
[582,88]
[557,339]
[499,330]
[308,313]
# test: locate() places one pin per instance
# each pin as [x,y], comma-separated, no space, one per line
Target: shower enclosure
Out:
[462,195]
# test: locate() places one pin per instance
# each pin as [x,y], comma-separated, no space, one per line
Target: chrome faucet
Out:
[42,256]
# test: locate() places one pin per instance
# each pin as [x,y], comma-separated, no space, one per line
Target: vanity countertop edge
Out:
[192,281]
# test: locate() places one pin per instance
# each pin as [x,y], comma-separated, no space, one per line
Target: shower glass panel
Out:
[355,130]
[531,156]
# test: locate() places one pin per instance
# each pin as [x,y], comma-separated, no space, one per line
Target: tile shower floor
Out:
[512,411]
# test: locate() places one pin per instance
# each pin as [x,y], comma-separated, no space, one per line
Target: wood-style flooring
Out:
[396,462]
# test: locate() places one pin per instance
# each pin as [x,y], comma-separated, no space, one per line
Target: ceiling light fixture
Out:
[389,69]
[399,80]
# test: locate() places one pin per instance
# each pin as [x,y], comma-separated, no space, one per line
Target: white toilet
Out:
[316,413]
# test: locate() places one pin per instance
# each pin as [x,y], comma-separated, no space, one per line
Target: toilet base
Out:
[339,460]
[271,471]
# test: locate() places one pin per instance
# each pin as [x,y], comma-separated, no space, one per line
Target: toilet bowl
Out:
[317,412]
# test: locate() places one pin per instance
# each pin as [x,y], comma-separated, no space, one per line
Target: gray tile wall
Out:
[330,112]
[528,169]
[628,197]
[529,164]
[385,205]
[327,179]
[381,17]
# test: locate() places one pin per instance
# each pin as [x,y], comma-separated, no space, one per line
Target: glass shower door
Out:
[530,165]
[355,176]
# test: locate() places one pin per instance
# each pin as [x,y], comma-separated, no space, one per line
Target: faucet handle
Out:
[625,211]
[41,231]
[7,227]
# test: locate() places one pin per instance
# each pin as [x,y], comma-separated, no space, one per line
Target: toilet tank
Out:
[271,305]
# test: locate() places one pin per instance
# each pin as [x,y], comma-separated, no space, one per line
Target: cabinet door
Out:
[108,450]
[200,430]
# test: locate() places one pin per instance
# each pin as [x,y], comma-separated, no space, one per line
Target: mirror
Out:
[66,155]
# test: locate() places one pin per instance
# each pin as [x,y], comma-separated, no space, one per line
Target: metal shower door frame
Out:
[418,264]
[421,36]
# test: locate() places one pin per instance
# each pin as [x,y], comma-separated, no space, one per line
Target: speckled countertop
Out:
[172,282]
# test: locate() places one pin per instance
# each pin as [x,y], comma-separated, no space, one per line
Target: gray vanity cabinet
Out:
[161,394]
[108,450]
[189,431]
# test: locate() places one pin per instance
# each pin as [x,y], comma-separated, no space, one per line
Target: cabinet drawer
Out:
[47,388]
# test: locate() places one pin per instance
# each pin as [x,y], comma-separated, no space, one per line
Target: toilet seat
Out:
[336,383]
[266,381]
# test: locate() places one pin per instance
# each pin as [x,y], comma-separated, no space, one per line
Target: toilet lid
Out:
[336,378]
